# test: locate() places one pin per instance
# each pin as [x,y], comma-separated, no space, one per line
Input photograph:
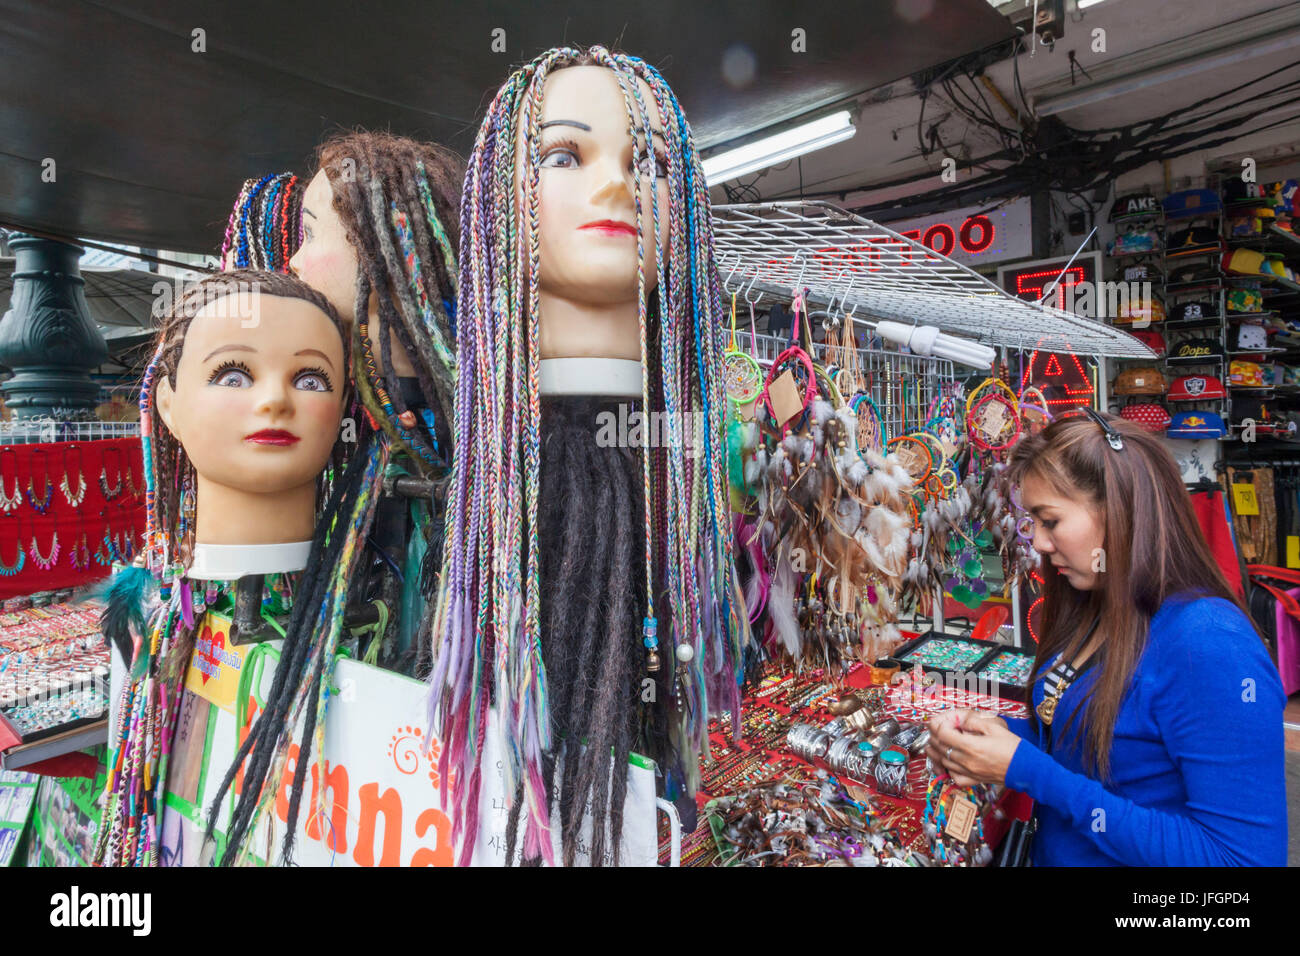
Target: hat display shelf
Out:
[1192,275]
[1121,264]
[1263,225]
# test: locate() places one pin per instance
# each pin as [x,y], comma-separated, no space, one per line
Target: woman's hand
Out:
[972,746]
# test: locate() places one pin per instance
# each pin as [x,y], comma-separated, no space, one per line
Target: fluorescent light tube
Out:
[928,340]
[776,149]
[1085,4]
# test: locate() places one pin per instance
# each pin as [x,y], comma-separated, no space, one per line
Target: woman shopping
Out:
[1155,731]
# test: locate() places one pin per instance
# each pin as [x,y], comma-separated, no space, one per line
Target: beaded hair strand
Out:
[486,628]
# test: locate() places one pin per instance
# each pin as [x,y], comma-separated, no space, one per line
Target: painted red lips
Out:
[612,227]
[273,436]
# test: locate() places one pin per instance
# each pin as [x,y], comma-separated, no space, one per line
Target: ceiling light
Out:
[772,150]
[927,340]
[1085,4]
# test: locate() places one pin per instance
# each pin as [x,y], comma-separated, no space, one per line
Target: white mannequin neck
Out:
[226,562]
[605,377]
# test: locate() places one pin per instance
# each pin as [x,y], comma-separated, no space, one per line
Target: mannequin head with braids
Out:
[578,572]
[380,227]
[265,226]
[245,395]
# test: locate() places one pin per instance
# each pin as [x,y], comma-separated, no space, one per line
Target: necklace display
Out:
[43,504]
[110,493]
[45,562]
[8,502]
[9,570]
[74,498]
[79,553]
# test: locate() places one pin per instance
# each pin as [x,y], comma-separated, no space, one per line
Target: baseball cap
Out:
[1189,388]
[1133,205]
[1196,423]
[1195,349]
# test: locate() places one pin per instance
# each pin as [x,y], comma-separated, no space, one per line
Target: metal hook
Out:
[726,283]
[750,288]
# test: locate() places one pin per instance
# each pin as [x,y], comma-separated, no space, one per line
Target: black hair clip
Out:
[1113,438]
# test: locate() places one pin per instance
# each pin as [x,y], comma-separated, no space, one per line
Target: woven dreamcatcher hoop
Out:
[796,360]
[915,455]
[742,376]
[872,433]
[993,419]
[1034,413]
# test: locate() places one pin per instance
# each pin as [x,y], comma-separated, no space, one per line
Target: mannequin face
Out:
[590,170]
[326,260]
[328,263]
[257,409]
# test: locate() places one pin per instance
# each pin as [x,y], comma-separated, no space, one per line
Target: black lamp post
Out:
[47,337]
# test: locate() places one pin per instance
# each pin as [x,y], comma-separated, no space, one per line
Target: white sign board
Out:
[976,236]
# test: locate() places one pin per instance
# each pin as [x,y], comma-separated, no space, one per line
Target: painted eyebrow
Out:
[587,129]
[308,212]
[316,352]
[229,348]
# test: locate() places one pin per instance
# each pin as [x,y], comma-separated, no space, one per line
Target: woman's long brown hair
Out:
[1153,549]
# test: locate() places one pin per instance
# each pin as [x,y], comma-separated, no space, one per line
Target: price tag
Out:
[1243,499]
[993,417]
[960,819]
[913,459]
[746,412]
[785,398]
[1293,551]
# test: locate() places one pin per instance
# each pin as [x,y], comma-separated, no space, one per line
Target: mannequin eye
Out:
[560,156]
[661,164]
[313,380]
[232,375]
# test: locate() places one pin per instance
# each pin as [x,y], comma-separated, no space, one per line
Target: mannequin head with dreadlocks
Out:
[380,227]
[265,226]
[577,569]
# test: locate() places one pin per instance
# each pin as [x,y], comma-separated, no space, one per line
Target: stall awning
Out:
[150,140]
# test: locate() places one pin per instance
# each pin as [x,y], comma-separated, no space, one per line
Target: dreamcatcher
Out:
[834,519]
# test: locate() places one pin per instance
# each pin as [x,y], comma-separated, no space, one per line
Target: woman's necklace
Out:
[1046,708]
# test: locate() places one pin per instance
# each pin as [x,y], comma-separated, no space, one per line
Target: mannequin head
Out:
[563,147]
[247,393]
[591,176]
[265,226]
[380,227]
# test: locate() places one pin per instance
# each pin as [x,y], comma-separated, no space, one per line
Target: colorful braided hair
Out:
[150,702]
[487,627]
[265,227]
[397,199]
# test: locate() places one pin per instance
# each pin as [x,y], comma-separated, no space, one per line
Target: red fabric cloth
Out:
[120,515]
[1211,513]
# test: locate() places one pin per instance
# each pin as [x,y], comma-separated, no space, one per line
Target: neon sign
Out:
[976,234]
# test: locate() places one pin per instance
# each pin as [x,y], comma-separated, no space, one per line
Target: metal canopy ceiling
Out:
[874,272]
[151,140]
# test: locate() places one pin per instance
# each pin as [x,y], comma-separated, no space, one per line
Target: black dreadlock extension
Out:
[591,645]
